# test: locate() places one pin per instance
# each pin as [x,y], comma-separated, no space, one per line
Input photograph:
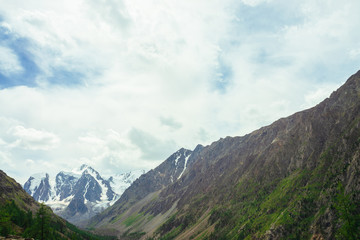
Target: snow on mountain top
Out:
[35,180]
[82,168]
[181,153]
[73,174]
[137,172]
[119,182]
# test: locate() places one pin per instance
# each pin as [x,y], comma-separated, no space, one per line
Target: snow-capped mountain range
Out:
[79,194]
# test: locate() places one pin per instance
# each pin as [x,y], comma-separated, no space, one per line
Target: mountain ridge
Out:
[21,215]
[79,194]
[279,181]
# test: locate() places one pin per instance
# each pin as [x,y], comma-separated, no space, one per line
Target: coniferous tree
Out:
[5,224]
[42,222]
[40,228]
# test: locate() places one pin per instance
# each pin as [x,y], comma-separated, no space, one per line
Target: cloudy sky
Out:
[122,84]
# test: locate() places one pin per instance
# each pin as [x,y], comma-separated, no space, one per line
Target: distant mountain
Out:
[298,178]
[21,215]
[38,186]
[79,194]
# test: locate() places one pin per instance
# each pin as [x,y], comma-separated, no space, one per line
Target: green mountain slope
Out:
[21,215]
[298,178]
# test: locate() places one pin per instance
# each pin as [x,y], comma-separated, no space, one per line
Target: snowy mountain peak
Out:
[182,153]
[64,184]
[120,182]
[88,168]
[38,186]
[92,172]
[84,166]
[40,175]
[80,193]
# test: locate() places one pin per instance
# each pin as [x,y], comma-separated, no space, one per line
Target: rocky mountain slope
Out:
[298,178]
[10,189]
[80,194]
[168,172]
[21,215]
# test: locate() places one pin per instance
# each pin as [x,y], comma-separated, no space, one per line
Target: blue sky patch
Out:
[67,78]
[19,47]
[223,77]
[267,18]
[31,72]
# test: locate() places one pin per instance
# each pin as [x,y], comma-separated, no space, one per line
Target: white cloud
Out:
[170,122]
[29,163]
[32,139]
[254,3]
[152,148]
[318,94]
[112,152]
[150,70]
[9,62]
[5,159]
[5,28]
[354,53]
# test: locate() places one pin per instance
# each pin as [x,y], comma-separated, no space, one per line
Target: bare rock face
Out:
[65,184]
[42,190]
[290,179]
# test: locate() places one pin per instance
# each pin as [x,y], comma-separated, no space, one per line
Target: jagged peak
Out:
[71,186]
[84,167]
[41,175]
[198,148]
[65,173]
[182,151]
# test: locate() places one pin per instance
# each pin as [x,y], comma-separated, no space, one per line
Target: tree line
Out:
[44,225]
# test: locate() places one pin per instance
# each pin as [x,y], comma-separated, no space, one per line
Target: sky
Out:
[122,84]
